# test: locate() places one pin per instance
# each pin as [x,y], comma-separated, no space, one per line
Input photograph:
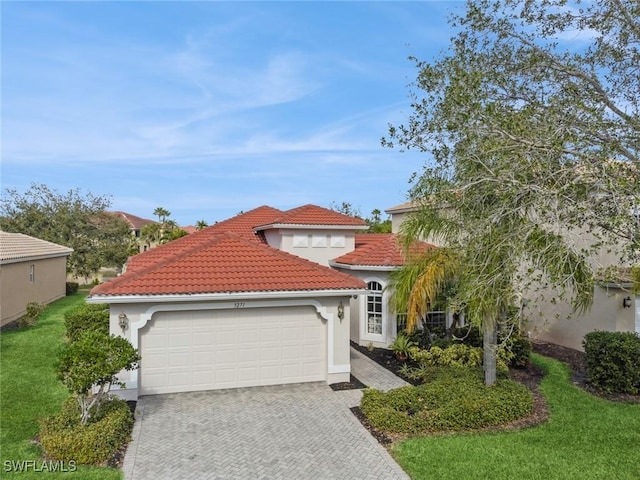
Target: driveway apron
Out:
[301,431]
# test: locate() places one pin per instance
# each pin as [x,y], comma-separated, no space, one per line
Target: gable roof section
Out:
[312,215]
[227,263]
[17,247]
[241,225]
[379,250]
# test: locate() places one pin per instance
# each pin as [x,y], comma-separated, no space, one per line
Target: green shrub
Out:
[456,355]
[455,399]
[64,438]
[87,318]
[520,348]
[613,361]
[33,312]
[402,346]
[72,287]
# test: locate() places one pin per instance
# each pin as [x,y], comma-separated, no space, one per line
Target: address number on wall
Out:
[239,305]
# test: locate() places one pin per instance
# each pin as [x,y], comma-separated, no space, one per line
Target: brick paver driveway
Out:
[300,431]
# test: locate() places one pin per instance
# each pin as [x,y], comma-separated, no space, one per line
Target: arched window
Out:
[374,308]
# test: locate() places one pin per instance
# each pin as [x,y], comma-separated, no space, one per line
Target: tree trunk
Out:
[490,349]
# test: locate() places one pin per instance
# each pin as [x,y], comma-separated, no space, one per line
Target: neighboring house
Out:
[31,270]
[615,307]
[189,229]
[399,213]
[136,225]
[266,297]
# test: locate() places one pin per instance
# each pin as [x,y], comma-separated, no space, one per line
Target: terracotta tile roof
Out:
[378,249]
[134,221]
[245,223]
[314,215]
[241,225]
[224,263]
[189,229]
[17,247]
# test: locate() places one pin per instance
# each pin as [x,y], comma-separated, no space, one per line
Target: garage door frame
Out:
[147,315]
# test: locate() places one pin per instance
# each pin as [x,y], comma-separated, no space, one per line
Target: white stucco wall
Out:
[358,330]
[317,245]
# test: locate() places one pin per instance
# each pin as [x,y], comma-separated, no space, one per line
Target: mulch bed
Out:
[530,376]
[352,384]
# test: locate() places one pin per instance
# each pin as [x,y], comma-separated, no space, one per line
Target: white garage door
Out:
[213,349]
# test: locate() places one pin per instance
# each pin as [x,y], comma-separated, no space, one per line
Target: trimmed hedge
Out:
[88,317]
[455,399]
[64,438]
[613,361]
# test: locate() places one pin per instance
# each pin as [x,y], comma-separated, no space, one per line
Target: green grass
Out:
[585,437]
[30,390]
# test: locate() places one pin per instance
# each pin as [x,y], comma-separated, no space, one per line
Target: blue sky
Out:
[209,108]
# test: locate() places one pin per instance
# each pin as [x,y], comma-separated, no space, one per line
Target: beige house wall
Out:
[16,288]
[550,323]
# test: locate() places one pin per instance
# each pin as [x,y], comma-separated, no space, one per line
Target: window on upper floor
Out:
[300,241]
[32,273]
[319,241]
[338,241]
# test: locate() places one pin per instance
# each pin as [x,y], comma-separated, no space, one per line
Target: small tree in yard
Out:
[532,139]
[94,361]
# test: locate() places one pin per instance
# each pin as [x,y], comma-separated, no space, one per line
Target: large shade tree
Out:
[532,122]
[73,219]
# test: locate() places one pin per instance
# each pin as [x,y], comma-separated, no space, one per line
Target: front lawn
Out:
[30,390]
[585,437]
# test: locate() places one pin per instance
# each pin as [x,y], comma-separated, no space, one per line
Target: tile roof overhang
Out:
[378,251]
[18,247]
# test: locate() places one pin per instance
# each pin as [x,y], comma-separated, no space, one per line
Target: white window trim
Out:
[364,335]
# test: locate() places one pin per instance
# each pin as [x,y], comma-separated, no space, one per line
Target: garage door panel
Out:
[179,359]
[205,350]
[249,355]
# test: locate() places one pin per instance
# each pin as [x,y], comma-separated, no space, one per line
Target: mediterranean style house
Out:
[266,297]
[31,270]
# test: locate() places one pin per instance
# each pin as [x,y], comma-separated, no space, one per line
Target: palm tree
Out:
[200,224]
[417,285]
[162,214]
